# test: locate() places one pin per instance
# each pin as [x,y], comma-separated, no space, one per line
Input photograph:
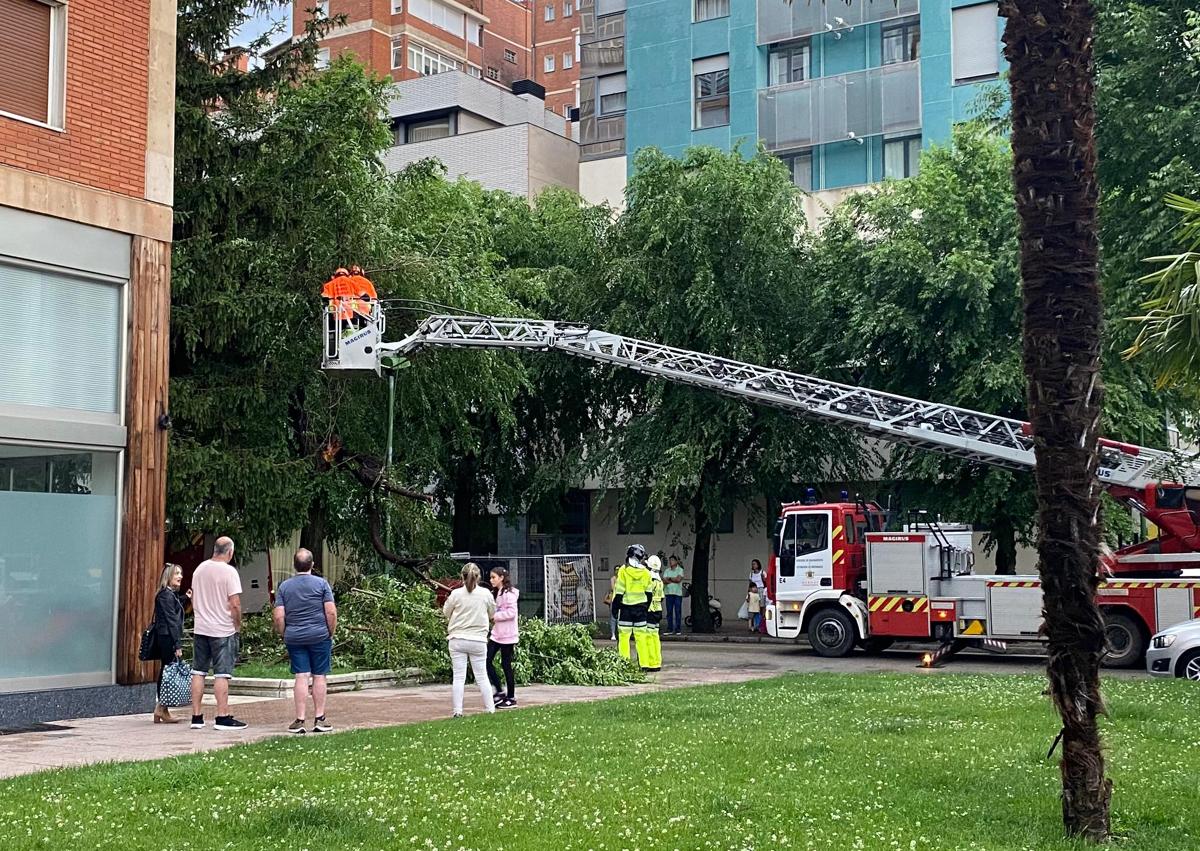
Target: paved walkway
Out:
[126,738]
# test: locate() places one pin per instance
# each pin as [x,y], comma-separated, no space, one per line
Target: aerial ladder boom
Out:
[1130,472]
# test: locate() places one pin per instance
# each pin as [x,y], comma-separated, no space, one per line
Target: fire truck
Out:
[838,573]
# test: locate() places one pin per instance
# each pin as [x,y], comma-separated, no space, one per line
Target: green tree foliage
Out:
[706,257]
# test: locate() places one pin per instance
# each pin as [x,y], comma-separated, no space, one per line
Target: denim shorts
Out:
[312,659]
[219,654]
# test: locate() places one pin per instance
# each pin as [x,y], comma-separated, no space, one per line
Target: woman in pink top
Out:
[504,636]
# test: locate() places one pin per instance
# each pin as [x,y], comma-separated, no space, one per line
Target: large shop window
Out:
[61,347]
[57,590]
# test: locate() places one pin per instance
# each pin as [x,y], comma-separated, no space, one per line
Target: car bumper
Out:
[1161,663]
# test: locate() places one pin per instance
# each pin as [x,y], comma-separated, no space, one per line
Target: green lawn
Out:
[816,761]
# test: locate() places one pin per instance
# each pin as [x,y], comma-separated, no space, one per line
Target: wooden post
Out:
[144,518]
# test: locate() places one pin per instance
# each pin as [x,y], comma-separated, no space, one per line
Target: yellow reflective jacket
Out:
[656,595]
[633,584]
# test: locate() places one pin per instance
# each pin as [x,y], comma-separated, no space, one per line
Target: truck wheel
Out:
[1188,666]
[1123,640]
[831,633]
[876,645]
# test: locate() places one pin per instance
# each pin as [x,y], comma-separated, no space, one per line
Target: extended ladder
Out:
[959,432]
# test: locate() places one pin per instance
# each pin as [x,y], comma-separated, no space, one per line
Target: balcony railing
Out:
[847,106]
[779,20]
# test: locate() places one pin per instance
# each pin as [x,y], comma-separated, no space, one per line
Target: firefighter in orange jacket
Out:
[350,295]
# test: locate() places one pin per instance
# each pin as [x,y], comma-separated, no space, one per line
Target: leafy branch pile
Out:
[386,624]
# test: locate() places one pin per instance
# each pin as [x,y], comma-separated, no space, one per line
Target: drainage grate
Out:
[33,728]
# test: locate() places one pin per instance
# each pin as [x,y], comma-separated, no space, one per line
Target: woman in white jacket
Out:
[469,611]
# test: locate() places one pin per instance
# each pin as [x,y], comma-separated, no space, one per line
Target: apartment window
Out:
[636,518]
[901,157]
[475,33]
[438,14]
[800,165]
[548,62]
[431,128]
[323,6]
[475,72]
[397,7]
[549,13]
[724,525]
[323,58]
[790,63]
[426,61]
[611,90]
[493,73]
[902,41]
[706,10]
[509,56]
[32,60]
[568,8]
[568,60]
[711,91]
[974,43]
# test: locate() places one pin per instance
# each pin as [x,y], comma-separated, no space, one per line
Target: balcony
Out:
[847,106]
[779,20]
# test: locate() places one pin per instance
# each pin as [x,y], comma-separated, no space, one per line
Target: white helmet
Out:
[654,565]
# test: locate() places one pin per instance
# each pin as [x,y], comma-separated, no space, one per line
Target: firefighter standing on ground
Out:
[654,616]
[631,599]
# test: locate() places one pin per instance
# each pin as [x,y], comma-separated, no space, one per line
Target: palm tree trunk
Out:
[1049,48]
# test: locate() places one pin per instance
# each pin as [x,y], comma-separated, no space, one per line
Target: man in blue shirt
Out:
[306,617]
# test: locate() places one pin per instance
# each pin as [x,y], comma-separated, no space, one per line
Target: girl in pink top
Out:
[504,636]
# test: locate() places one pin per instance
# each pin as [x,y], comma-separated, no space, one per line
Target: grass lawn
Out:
[815,761]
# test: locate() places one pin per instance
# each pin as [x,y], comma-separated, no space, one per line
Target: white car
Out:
[1175,652]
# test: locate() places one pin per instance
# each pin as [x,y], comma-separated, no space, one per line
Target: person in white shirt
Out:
[469,610]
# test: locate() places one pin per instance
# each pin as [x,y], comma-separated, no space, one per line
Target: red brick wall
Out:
[508,28]
[554,38]
[104,142]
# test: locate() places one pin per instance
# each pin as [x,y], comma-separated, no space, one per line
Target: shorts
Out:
[314,658]
[217,654]
[654,618]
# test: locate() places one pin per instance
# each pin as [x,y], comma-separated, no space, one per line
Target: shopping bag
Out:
[744,611]
[176,684]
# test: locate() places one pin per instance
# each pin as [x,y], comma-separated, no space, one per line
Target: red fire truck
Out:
[838,574]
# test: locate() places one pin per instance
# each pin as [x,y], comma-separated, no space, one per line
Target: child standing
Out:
[504,637]
[753,607]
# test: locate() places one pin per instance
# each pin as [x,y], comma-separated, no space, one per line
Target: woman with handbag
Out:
[168,633]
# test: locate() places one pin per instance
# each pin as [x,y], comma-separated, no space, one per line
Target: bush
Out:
[383,623]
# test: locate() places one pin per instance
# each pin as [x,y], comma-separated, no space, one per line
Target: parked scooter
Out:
[714,607]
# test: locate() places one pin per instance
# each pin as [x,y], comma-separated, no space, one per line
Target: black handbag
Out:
[146,649]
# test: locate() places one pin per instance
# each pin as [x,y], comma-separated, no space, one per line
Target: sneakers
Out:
[197,722]
[457,715]
[320,725]
[227,722]
[506,703]
[297,727]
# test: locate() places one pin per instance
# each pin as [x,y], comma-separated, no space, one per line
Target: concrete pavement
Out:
[134,737]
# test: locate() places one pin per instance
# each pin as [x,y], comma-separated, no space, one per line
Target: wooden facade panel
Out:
[144,517]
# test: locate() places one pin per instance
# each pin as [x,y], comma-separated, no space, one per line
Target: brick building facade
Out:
[87,97]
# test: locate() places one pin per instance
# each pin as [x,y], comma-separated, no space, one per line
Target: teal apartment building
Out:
[845,94]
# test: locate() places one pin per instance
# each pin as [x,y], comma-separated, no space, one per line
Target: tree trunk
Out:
[1004,533]
[703,524]
[1049,48]
[312,536]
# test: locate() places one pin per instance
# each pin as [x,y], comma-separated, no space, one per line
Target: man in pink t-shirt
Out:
[217,604]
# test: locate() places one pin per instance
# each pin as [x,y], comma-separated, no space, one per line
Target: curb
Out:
[354,681]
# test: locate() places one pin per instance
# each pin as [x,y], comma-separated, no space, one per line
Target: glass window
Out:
[612,93]
[711,91]
[509,56]
[901,42]
[549,13]
[975,42]
[636,518]
[397,7]
[725,522]
[57,591]
[323,58]
[568,60]
[790,64]
[548,62]
[61,347]
[323,7]
[706,10]
[475,33]
[800,165]
[475,72]
[493,73]
[438,14]
[568,8]
[428,62]
[901,157]
[433,128]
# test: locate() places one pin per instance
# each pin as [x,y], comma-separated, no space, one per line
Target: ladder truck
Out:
[836,574]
